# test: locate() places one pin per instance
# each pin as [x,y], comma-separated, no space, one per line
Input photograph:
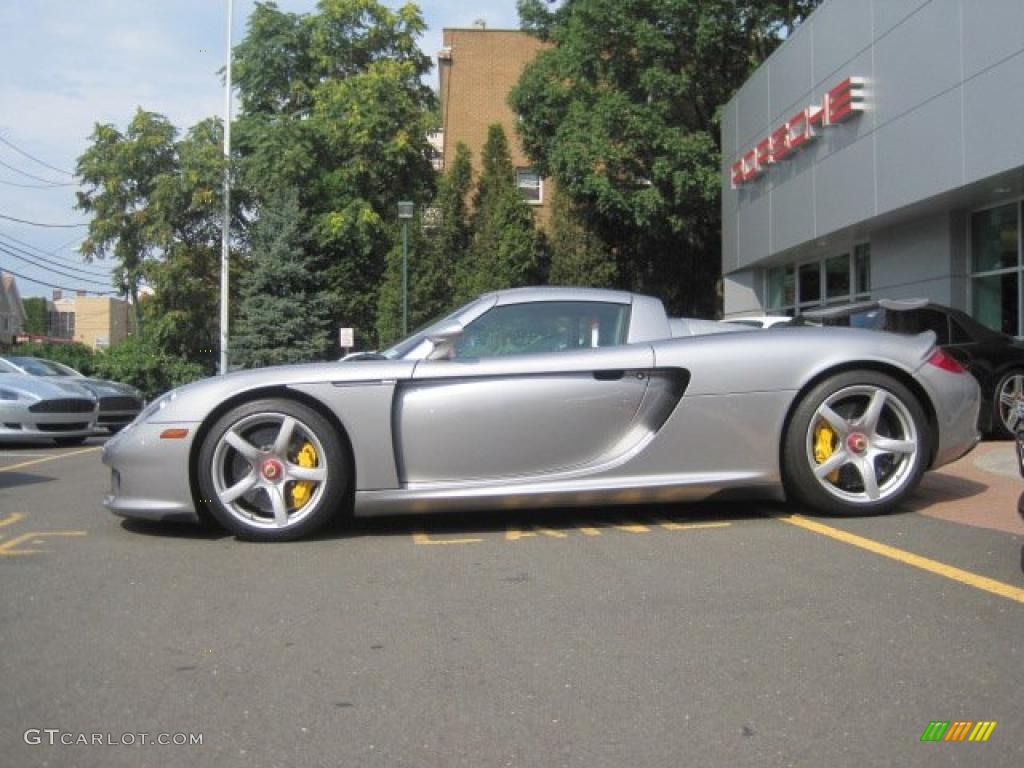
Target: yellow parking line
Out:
[421,537]
[9,548]
[924,563]
[50,458]
[12,518]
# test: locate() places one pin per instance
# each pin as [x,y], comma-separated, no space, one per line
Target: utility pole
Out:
[225,234]
[405,213]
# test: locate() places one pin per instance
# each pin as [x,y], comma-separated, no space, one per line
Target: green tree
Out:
[79,356]
[139,361]
[37,316]
[333,104]
[578,256]
[187,202]
[439,241]
[507,250]
[622,111]
[284,314]
[120,172]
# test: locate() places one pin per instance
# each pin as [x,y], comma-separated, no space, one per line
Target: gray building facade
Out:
[879,152]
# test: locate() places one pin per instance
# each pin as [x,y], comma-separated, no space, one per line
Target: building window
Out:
[833,280]
[62,325]
[781,289]
[862,270]
[996,267]
[530,185]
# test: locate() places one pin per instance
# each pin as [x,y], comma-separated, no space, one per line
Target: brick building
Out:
[478,68]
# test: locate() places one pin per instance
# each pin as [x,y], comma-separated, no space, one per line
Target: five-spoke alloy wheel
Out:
[1009,394]
[856,445]
[273,470]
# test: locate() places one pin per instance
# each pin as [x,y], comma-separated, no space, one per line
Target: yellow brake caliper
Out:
[303,489]
[825,446]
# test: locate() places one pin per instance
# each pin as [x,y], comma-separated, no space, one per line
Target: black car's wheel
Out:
[69,442]
[1009,391]
[273,470]
[857,445]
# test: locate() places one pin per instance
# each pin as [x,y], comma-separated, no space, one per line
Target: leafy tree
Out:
[37,315]
[507,249]
[284,315]
[187,202]
[622,111]
[139,361]
[79,356]
[120,172]
[439,239]
[333,104]
[578,256]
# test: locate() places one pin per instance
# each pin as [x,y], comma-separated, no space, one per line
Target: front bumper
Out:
[150,475]
[17,423]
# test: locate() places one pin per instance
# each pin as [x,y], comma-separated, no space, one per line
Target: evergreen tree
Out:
[507,249]
[439,239]
[284,314]
[578,256]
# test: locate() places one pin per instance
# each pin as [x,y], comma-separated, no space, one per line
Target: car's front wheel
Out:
[273,470]
[857,444]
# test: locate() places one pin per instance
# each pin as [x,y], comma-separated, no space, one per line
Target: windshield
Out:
[36,367]
[64,370]
[407,345]
[6,367]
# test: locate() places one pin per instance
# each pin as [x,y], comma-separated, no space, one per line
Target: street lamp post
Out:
[225,233]
[405,209]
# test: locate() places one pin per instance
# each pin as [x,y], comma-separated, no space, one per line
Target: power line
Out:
[41,253]
[38,178]
[36,159]
[52,285]
[31,256]
[32,186]
[5,249]
[37,224]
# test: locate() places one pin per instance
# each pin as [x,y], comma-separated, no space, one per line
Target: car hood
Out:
[193,401]
[39,388]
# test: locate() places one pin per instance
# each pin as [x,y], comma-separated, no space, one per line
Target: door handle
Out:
[609,375]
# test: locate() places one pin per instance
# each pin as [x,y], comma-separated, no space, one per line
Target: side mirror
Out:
[444,339]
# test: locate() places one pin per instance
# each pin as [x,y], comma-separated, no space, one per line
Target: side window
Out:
[921,320]
[537,327]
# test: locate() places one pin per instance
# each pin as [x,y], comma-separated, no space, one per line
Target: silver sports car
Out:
[119,403]
[545,396]
[33,409]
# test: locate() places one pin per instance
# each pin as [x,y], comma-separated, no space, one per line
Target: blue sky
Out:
[68,64]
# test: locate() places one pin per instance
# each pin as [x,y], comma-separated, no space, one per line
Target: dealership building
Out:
[879,152]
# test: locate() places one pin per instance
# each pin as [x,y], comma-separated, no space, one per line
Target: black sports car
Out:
[993,358]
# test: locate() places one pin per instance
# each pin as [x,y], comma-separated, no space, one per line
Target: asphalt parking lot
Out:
[709,634]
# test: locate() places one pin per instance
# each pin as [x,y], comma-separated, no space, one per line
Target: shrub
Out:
[137,361]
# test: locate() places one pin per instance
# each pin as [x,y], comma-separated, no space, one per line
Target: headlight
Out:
[156,406]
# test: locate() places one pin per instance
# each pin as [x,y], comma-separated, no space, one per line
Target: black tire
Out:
[999,428]
[882,451]
[223,469]
[69,442]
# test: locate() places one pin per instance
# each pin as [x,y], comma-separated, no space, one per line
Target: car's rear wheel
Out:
[857,444]
[1009,392]
[273,470]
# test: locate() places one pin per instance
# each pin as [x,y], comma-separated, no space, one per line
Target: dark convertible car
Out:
[993,358]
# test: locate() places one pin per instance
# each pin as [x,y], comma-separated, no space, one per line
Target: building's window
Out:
[530,185]
[781,289]
[62,325]
[996,268]
[862,270]
[837,277]
[834,280]
[809,285]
